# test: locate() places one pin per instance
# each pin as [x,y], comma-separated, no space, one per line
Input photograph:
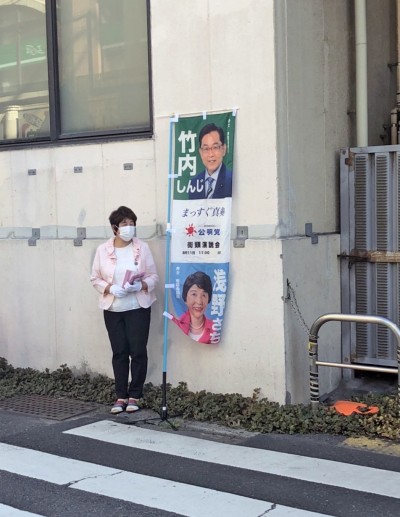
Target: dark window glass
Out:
[24,91]
[99,83]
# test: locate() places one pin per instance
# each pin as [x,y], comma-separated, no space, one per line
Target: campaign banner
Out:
[201,223]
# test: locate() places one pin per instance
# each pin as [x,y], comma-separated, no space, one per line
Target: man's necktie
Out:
[210,182]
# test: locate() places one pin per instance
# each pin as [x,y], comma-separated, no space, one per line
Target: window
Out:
[73,70]
[24,90]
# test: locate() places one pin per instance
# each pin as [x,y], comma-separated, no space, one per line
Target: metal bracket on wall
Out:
[242,233]
[309,233]
[35,236]
[81,234]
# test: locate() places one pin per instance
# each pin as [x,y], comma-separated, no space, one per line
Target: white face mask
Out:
[127,232]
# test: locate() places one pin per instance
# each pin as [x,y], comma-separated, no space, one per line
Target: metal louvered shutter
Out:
[370,199]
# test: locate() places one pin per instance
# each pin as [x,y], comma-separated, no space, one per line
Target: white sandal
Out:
[132,406]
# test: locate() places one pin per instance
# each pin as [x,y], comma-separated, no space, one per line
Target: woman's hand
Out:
[133,288]
[117,291]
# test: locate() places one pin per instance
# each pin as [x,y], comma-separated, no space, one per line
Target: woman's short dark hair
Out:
[121,213]
[202,280]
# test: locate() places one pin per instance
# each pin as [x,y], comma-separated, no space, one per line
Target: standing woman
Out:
[126,306]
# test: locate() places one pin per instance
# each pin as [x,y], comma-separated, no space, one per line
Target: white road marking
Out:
[9,511]
[316,470]
[187,500]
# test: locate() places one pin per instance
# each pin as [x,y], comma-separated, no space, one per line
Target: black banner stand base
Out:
[163,414]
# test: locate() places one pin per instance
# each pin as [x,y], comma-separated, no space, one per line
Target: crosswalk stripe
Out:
[187,500]
[48,467]
[9,511]
[316,470]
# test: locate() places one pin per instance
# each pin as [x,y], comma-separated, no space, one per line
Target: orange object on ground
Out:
[347,407]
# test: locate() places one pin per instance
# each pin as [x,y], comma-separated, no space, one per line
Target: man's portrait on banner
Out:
[215,181]
[204,157]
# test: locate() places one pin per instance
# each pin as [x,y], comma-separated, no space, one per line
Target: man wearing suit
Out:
[216,180]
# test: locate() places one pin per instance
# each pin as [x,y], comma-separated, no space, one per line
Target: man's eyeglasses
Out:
[214,148]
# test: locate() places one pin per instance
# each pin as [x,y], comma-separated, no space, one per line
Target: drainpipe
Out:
[393,126]
[398,71]
[394,114]
[361,73]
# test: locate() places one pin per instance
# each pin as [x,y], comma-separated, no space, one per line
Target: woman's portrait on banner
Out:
[197,294]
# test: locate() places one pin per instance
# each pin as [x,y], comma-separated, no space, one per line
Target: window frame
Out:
[56,137]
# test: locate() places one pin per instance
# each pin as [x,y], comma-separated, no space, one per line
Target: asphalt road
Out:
[101,465]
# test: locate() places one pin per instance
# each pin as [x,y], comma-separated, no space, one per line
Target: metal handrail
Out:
[313,350]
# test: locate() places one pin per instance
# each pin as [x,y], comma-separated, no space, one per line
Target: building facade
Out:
[87,90]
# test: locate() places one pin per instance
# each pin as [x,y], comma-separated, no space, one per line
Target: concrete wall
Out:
[314,56]
[287,66]
[314,91]
[316,117]
[223,57]
[203,58]
[51,317]
[313,271]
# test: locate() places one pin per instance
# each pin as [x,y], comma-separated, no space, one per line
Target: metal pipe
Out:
[314,380]
[393,126]
[353,318]
[398,53]
[397,109]
[394,114]
[359,367]
[361,73]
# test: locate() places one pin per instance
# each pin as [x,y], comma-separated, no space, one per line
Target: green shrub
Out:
[231,409]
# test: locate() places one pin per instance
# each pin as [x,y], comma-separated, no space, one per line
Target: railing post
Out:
[398,373]
[313,347]
[314,380]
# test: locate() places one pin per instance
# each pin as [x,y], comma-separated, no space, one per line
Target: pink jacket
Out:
[103,268]
[184,324]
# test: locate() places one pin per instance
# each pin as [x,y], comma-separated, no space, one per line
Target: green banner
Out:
[188,156]
[201,223]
